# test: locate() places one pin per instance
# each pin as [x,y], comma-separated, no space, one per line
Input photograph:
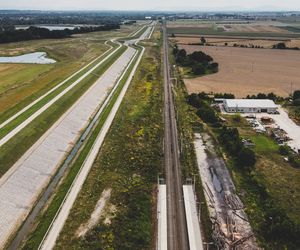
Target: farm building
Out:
[249,106]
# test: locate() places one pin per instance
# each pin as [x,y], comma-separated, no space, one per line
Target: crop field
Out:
[22,83]
[234,28]
[215,41]
[244,71]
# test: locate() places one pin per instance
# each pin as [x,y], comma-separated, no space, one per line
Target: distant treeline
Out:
[10,34]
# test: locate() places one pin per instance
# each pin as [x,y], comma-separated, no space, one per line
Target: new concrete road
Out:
[23,183]
[62,215]
[176,221]
[24,123]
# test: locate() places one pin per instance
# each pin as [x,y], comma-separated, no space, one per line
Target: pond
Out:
[36,57]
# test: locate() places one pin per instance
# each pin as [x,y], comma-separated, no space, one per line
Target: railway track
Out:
[176,218]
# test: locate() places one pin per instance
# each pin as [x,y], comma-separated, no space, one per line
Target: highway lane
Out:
[22,184]
[176,221]
[62,215]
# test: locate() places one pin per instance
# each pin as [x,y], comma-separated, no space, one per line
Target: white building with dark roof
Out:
[249,106]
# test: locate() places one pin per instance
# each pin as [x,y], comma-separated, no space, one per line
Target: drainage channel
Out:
[29,222]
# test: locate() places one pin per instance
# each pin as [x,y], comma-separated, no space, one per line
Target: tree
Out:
[272,96]
[284,150]
[181,56]
[198,69]
[200,57]
[173,35]
[279,46]
[194,100]
[296,102]
[246,157]
[207,114]
[296,95]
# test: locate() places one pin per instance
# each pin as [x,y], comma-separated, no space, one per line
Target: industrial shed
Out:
[249,106]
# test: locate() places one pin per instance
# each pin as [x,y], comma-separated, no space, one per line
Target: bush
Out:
[207,114]
[296,102]
[246,157]
[284,150]
[237,118]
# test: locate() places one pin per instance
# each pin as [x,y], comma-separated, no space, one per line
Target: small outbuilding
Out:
[249,106]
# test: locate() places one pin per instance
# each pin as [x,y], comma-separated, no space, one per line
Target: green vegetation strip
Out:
[13,149]
[13,124]
[128,162]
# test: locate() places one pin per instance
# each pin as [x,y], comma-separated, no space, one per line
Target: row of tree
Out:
[33,33]
[199,62]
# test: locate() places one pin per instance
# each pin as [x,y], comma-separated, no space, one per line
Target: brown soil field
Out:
[245,71]
[252,28]
[266,43]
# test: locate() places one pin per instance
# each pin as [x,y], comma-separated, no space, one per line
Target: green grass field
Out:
[22,83]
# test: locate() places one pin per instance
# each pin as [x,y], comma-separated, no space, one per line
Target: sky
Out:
[152,5]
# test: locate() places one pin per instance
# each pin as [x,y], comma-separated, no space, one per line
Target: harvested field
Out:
[216,41]
[272,71]
[252,28]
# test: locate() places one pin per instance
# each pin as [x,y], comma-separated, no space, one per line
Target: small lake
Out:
[36,58]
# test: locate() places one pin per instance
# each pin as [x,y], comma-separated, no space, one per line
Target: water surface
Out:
[36,57]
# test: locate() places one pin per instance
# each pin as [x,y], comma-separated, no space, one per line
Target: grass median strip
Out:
[13,149]
[14,123]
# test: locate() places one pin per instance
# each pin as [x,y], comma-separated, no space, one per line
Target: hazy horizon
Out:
[154,5]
